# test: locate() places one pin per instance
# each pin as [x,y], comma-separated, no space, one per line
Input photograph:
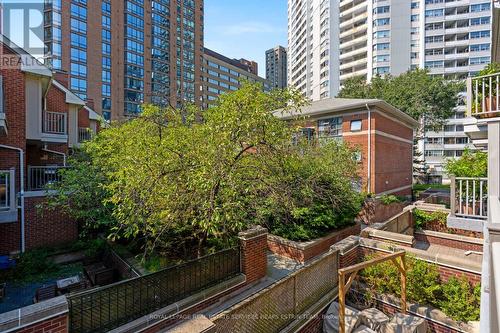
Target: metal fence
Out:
[41,176]
[277,306]
[105,308]
[469,197]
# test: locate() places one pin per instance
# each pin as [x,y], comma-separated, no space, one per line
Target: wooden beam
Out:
[353,271]
[361,265]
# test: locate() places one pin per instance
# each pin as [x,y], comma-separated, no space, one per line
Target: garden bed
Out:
[379,210]
[303,251]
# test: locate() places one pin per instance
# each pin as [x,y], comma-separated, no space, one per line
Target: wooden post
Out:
[353,271]
[453,202]
[341,303]
[403,284]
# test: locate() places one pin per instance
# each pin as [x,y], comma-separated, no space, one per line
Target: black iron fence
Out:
[105,308]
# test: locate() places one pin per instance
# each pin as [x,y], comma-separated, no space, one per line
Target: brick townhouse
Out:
[382,134]
[41,121]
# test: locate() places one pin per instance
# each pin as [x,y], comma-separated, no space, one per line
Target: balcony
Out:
[41,176]
[84,134]
[468,203]
[483,95]
[54,123]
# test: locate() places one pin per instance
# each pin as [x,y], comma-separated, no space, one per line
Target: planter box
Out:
[455,241]
[374,211]
[303,251]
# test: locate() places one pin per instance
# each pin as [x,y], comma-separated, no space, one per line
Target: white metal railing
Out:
[469,197]
[84,134]
[483,95]
[54,122]
[41,176]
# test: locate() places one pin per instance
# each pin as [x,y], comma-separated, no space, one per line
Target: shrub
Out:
[456,298]
[461,301]
[388,199]
[470,164]
[421,218]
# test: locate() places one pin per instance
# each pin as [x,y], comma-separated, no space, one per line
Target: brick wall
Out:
[10,237]
[253,244]
[302,252]
[454,243]
[349,258]
[47,227]
[57,324]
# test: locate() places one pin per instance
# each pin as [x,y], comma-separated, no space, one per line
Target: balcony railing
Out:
[54,122]
[41,176]
[84,134]
[469,197]
[483,95]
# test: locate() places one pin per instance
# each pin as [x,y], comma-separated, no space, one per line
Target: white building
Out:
[330,42]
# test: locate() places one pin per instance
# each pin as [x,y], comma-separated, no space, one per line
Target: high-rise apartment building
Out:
[330,42]
[276,67]
[222,74]
[121,53]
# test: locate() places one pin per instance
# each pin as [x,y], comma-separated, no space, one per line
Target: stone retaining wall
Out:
[303,251]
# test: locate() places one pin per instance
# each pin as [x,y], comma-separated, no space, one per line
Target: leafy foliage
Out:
[387,199]
[422,218]
[470,164]
[456,297]
[461,301]
[182,180]
[416,93]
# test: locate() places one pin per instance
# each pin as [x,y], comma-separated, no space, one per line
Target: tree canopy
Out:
[470,164]
[415,92]
[184,180]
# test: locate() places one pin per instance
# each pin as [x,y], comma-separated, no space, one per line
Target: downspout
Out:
[21,192]
[369,178]
[56,153]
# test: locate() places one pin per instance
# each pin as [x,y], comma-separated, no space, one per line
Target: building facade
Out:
[41,121]
[121,53]
[382,134]
[330,42]
[222,74]
[276,67]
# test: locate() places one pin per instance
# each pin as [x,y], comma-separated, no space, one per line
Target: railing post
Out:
[469,97]
[253,253]
[453,202]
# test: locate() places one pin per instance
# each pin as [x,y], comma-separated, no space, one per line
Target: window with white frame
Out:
[330,128]
[7,200]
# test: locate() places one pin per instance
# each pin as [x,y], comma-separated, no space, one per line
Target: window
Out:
[381,46]
[330,128]
[480,7]
[434,13]
[380,22]
[381,70]
[381,34]
[78,55]
[381,10]
[433,153]
[480,34]
[5,190]
[356,125]
[480,20]
[78,69]
[78,26]
[479,61]
[479,47]
[78,11]
[381,58]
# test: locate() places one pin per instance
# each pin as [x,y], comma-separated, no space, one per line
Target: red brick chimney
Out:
[62,77]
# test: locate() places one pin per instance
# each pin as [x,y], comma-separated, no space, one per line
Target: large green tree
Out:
[182,180]
[420,95]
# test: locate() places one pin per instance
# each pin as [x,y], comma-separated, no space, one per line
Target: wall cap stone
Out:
[32,314]
[252,232]
[345,245]
[406,239]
